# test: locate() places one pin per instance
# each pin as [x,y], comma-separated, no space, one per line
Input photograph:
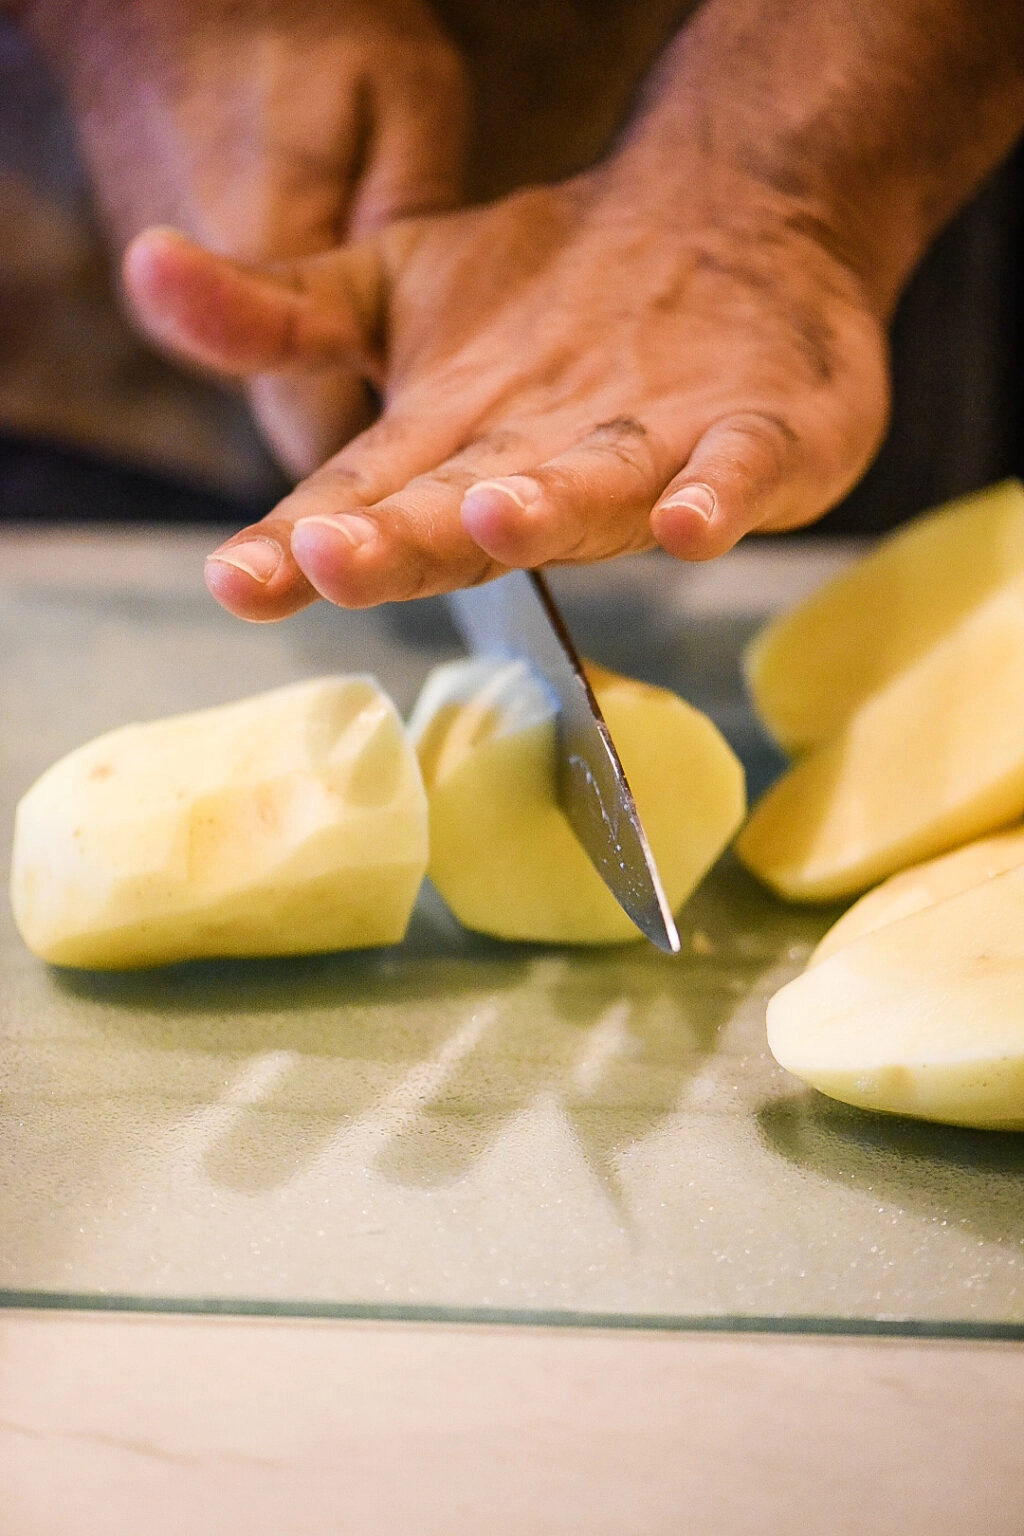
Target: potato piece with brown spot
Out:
[292,822]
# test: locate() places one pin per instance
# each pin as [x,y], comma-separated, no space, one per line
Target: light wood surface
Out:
[143,1426]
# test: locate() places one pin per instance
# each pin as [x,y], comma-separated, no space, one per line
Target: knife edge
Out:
[517,616]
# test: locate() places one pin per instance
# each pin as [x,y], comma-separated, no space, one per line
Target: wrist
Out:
[860,126]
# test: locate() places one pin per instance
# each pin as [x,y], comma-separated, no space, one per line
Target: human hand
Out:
[555,366]
[265,131]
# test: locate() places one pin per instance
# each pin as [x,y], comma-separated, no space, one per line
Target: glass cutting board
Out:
[453,1127]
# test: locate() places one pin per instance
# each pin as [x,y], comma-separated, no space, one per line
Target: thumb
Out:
[239,320]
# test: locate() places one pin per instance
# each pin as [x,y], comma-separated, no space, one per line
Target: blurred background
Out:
[94,425]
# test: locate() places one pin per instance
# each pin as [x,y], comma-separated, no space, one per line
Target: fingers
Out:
[750,470]
[595,501]
[408,544]
[462,516]
[241,320]
[403,512]
[302,333]
[588,503]
[391,553]
[256,574]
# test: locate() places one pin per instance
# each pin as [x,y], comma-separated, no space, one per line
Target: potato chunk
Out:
[923,1017]
[810,669]
[287,823]
[922,886]
[503,855]
[932,760]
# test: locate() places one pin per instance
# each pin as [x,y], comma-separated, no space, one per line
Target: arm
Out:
[871,122]
[680,346]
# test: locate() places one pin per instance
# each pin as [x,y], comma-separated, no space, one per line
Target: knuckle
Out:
[620,427]
[449,478]
[494,444]
[625,440]
[354,486]
[765,444]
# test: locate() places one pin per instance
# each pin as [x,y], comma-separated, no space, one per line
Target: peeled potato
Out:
[922,1017]
[291,822]
[932,760]
[503,855]
[922,886]
[810,669]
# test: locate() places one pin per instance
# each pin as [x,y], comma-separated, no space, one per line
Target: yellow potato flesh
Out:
[933,760]
[924,1017]
[503,856]
[922,886]
[287,823]
[809,670]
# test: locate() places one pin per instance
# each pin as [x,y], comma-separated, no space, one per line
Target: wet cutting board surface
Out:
[452,1127]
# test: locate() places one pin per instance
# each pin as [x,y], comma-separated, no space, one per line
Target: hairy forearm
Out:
[866,122]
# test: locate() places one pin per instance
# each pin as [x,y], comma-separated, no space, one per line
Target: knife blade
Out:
[516,616]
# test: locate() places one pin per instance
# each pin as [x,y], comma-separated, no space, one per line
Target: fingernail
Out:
[258,558]
[517,488]
[355,529]
[691,498]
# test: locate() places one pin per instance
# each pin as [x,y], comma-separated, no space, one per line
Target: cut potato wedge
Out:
[503,856]
[923,1017]
[810,669]
[931,761]
[922,886]
[292,822]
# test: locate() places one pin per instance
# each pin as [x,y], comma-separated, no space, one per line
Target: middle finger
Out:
[410,543]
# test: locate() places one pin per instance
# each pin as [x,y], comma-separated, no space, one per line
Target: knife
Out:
[516,616]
